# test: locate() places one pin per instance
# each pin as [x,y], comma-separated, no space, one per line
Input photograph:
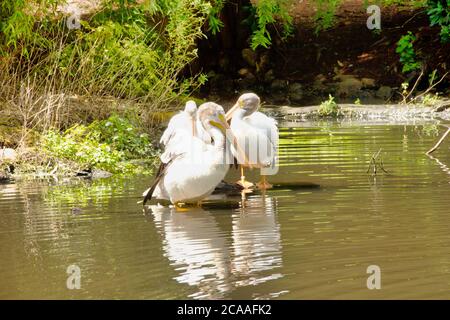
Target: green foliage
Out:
[407,54]
[127,49]
[267,13]
[122,135]
[430,99]
[329,108]
[439,14]
[412,3]
[77,144]
[214,22]
[106,145]
[326,10]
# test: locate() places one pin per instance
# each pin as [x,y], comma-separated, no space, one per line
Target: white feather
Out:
[257,134]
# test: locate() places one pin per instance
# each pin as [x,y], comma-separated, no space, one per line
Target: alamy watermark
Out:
[374,280]
[74,279]
[374,20]
[73,21]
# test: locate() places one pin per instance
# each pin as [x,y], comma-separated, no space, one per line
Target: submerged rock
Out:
[249,56]
[98,174]
[279,85]
[8,154]
[94,174]
[76,211]
[269,76]
[368,83]
[348,86]
[247,79]
[384,92]
[229,189]
[5,177]
[245,72]
[295,92]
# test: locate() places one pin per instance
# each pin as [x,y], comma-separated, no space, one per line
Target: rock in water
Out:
[295,92]
[8,154]
[249,56]
[384,92]
[99,174]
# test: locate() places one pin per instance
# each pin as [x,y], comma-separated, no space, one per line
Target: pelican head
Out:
[248,103]
[190,108]
[211,115]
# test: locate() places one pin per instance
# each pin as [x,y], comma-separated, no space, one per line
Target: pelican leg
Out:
[264,184]
[244,183]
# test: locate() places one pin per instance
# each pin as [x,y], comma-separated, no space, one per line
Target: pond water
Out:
[313,236]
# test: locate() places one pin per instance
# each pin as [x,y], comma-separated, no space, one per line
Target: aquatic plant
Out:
[329,108]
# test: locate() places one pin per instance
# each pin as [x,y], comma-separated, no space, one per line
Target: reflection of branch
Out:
[380,164]
[443,166]
[439,142]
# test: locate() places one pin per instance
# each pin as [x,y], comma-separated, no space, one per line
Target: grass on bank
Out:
[114,145]
[67,94]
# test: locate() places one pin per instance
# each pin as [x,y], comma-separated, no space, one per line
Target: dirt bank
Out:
[348,61]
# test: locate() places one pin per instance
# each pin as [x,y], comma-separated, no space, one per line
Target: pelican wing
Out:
[268,125]
[159,175]
[181,122]
[179,146]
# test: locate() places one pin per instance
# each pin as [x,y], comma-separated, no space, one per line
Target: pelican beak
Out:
[239,150]
[230,112]
[194,129]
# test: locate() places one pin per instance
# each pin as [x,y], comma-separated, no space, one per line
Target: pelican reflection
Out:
[217,258]
[195,245]
[256,241]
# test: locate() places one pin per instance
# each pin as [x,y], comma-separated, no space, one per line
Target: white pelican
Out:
[183,122]
[190,167]
[257,134]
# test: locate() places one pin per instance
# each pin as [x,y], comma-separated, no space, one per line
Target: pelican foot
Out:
[264,185]
[247,185]
[180,208]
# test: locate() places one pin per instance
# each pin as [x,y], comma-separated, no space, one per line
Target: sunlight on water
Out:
[295,241]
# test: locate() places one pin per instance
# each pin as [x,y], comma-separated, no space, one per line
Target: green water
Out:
[289,243]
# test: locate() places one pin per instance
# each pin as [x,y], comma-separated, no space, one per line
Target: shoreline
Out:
[290,117]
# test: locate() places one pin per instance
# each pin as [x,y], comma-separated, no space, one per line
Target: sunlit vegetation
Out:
[329,108]
[406,52]
[59,71]
[108,145]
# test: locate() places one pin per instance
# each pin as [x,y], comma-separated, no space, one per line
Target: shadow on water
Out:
[312,236]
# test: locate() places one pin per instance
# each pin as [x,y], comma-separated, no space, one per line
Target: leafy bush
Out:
[439,14]
[329,108]
[324,17]
[106,145]
[77,144]
[407,54]
[127,49]
[122,135]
